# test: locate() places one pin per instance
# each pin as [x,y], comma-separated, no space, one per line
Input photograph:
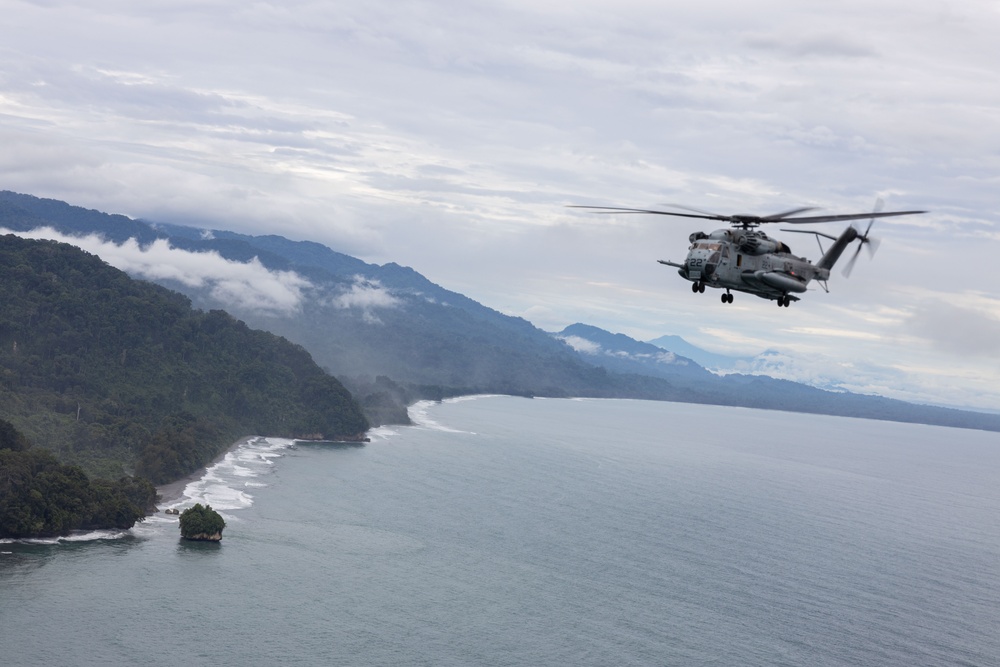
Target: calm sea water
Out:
[509,531]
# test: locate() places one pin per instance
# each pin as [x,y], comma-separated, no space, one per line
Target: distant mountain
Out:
[710,360]
[780,364]
[393,336]
[621,354]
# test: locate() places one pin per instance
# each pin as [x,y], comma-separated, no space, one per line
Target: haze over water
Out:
[509,531]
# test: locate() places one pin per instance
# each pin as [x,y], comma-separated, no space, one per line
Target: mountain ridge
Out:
[709,360]
[393,336]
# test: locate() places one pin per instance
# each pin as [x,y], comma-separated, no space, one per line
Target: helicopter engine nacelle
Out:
[759,244]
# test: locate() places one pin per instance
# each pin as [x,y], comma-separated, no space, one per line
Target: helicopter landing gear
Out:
[727,298]
[785,301]
[698,286]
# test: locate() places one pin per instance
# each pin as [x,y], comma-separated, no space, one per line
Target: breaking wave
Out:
[227,484]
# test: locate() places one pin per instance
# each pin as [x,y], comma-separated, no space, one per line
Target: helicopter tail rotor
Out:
[865,240]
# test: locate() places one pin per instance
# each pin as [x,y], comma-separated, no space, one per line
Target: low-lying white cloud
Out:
[366,295]
[592,348]
[242,285]
[582,345]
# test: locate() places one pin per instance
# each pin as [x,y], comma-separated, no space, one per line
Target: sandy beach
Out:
[174,491]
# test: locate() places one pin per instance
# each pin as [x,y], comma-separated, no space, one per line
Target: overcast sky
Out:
[449,136]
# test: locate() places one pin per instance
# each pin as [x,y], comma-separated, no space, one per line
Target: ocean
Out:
[511,531]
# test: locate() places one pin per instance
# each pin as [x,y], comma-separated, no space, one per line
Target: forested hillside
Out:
[40,497]
[421,341]
[107,371]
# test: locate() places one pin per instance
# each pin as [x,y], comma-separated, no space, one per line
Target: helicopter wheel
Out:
[784,301]
[694,287]
[701,287]
[727,298]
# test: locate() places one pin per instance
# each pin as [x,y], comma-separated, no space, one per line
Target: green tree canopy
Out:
[40,497]
[201,520]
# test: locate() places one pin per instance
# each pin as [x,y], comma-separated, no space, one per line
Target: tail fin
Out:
[831,256]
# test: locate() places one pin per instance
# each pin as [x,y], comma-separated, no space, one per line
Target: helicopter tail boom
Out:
[831,256]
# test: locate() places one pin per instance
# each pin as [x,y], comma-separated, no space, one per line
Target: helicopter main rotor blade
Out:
[752,220]
[691,208]
[778,217]
[850,216]
[616,209]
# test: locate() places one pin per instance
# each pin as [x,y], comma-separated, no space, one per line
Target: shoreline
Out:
[171,492]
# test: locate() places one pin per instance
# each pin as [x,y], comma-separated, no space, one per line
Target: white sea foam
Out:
[76,536]
[382,433]
[224,485]
[419,415]
[471,397]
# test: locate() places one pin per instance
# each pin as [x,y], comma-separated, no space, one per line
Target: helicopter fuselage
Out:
[745,259]
[748,260]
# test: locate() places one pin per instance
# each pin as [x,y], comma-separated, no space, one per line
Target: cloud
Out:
[366,295]
[244,285]
[592,348]
[582,345]
[956,329]
[664,358]
[815,45]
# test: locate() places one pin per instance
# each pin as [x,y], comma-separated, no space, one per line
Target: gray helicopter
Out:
[745,259]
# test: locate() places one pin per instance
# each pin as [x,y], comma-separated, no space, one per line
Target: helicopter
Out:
[745,259]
